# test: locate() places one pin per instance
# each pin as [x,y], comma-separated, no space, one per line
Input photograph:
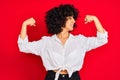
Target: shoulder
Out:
[46,37]
[79,36]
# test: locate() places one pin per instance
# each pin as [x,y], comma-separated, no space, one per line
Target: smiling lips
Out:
[72,25]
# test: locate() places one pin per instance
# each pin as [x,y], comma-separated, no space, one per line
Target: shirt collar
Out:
[56,38]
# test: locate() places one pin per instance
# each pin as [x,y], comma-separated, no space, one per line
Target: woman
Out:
[62,53]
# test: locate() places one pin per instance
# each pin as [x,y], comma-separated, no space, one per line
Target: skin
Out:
[28,22]
[63,36]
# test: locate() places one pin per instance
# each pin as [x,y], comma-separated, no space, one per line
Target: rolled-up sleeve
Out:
[30,47]
[94,42]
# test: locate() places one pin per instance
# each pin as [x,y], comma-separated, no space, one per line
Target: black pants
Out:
[51,76]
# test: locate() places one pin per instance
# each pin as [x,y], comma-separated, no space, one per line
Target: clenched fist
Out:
[90,18]
[29,22]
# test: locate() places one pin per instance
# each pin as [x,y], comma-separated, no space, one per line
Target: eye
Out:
[70,17]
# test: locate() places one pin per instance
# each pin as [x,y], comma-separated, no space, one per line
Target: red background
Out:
[100,64]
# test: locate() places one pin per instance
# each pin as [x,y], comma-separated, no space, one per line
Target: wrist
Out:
[24,24]
[95,19]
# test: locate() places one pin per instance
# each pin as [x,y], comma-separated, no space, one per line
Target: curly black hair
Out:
[56,17]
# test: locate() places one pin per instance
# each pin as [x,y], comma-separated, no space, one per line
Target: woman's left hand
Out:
[89,18]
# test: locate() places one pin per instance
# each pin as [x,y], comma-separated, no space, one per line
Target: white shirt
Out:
[69,56]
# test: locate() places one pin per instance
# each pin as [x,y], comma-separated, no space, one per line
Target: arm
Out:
[30,22]
[23,43]
[99,27]
[102,36]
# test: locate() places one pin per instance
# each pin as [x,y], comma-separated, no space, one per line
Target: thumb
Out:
[85,22]
[34,24]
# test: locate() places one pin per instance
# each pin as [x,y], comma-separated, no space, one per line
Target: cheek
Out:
[67,24]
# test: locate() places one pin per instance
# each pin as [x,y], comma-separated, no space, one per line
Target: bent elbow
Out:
[105,41]
[22,49]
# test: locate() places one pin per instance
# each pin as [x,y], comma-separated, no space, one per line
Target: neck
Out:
[63,35]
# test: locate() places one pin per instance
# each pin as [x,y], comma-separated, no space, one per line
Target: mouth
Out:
[72,25]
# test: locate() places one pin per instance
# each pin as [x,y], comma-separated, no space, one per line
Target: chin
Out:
[71,29]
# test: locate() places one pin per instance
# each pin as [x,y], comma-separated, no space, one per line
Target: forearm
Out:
[98,25]
[30,22]
[23,32]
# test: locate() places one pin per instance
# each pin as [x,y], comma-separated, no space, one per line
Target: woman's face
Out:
[69,25]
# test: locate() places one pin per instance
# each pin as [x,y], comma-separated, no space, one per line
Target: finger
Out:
[32,19]
[85,21]
[34,24]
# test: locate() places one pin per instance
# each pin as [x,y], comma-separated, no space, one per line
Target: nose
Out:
[73,20]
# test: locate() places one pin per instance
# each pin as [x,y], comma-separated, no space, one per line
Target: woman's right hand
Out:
[29,22]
